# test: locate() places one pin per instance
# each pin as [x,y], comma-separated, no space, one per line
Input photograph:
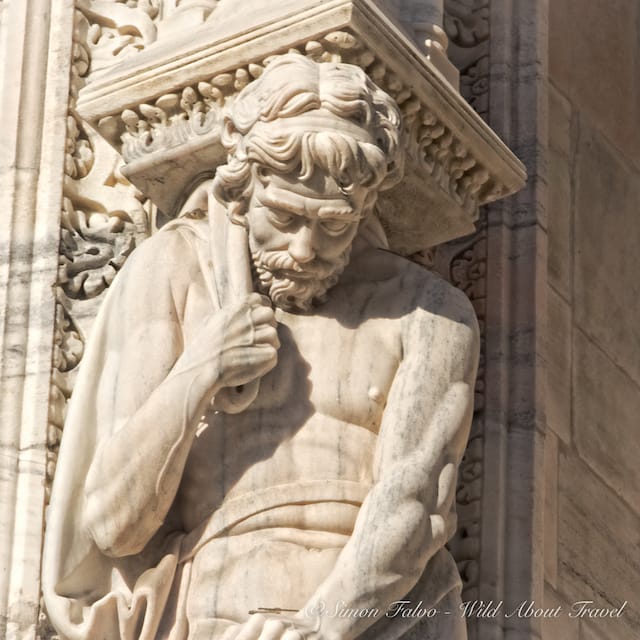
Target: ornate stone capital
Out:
[162,109]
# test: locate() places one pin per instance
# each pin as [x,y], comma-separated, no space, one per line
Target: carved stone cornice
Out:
[162,111]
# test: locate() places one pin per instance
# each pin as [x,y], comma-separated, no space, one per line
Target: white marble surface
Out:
[181,501]
[35,43]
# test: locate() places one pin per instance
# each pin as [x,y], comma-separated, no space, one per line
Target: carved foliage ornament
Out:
[196,110]
[117,28]
[102,215]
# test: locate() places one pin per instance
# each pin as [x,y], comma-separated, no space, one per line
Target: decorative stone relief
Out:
[466,23]
[464,265]
[100,226]
[450,146]
[174,118]
[121,28]
[102,216]
[118,28]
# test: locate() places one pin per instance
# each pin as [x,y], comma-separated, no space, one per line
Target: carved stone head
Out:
[309,146]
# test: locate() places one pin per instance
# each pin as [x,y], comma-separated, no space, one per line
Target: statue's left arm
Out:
[409,513]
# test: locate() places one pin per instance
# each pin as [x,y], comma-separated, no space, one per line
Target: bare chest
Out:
[315,418]
[327,368]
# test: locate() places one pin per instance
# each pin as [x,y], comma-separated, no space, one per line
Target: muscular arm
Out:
[160,388]
[409,513]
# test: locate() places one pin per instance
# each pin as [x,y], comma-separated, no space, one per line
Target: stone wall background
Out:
[592,447]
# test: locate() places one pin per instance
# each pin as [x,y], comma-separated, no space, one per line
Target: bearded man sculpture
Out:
[189,502]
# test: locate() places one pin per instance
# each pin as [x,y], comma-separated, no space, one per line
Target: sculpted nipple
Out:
[376,395]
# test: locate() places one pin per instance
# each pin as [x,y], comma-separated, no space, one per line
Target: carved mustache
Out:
[282,265]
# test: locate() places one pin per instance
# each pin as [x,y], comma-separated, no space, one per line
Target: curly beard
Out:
[292,286]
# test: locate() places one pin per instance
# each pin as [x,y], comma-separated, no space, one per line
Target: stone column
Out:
[35,57]
[516,324]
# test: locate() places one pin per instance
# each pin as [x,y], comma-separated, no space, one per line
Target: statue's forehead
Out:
[320,185]
[319,196]
[306,205]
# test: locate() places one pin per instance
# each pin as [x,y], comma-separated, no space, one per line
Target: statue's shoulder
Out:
[413,290]
[172,249]
[437,311]
[162,269]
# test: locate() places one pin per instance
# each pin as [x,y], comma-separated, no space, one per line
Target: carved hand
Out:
[233,347]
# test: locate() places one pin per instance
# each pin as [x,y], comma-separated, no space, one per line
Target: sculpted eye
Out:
[281,218]
[335,226]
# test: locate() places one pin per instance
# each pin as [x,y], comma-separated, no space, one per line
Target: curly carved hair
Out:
[257,132]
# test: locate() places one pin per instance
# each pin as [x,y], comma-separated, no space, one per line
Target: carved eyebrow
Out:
[280,204]
[345,213]
[326,211]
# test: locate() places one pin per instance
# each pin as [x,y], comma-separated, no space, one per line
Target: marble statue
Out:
[264,438]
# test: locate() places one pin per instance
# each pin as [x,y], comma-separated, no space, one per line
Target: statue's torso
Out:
[317,414]
[313,426]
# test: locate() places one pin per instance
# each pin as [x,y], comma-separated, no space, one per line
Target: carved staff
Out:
[232,277]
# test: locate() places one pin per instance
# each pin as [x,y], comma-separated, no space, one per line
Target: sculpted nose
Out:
[301,245]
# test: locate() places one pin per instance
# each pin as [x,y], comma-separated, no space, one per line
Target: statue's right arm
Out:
[163,387]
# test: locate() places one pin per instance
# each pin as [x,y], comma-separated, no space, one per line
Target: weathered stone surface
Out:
[560,115]
[258,400]
[551,508]
[598,546]
[558,397]
[594,630]
[593,56]
[559,223]
[559,183]
[605,419]
[35,52]
[560,627]
[607,261]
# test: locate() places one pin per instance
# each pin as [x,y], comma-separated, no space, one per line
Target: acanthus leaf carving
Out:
[103,216]
[79,153]
[93,247]
[118,28]
[68,347]
[466,23]
[196,110]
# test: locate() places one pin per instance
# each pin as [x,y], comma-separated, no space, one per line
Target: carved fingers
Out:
[250,341]
[233,347]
